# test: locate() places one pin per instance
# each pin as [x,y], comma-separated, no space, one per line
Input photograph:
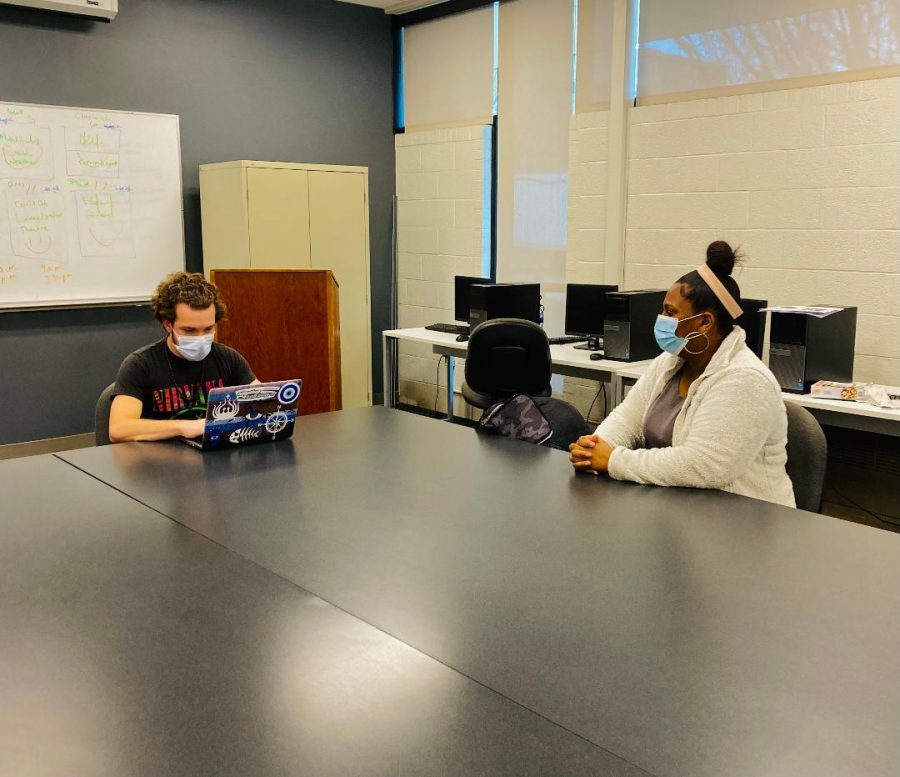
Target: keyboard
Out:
[463,329]
[567,340]
[449,329]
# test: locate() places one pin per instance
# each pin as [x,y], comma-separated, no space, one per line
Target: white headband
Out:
[720,291]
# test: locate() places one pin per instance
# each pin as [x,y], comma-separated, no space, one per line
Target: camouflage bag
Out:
[519,418]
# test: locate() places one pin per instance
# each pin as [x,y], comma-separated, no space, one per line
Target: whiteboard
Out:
[91,207]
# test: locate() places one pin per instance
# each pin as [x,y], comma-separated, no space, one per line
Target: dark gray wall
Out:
[289,80]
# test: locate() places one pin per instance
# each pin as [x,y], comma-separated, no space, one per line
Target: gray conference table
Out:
[131,646]
[688,632]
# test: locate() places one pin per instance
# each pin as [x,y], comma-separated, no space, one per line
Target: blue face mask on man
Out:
[194,349]
[664,331]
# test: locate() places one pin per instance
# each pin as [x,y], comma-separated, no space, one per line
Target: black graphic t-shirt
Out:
[172,387]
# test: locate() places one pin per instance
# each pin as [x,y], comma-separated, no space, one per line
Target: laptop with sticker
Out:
[246,415]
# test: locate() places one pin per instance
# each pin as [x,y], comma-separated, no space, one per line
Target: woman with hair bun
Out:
[707,413]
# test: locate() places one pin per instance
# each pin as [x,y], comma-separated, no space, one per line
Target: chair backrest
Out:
[807,456]
[508,356]
[101,416]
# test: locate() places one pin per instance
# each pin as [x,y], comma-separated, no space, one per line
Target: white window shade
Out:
[535,102]
[593,71]
[448,70]
[706,44]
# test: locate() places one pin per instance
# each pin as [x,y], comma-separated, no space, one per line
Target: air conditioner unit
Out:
[104,10]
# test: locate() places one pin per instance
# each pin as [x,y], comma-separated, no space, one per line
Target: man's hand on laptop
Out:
[192,429]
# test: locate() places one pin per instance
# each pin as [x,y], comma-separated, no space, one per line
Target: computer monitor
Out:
[504,300]
[753,323]
[586,311]
[462,295]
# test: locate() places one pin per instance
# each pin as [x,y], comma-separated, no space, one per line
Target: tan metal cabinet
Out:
[278,215]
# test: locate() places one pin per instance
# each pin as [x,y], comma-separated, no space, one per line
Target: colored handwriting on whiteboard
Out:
[24,186]
[85,163]
[55,275]
[26,152]
[92,151]
[105,226]
[7,274]
[96,185]
[37,225]
[95,120]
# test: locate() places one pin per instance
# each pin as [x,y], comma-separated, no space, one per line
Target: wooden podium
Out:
[286,323]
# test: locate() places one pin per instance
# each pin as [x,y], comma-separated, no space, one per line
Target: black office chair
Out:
[807,456]
[101,416]
[506,356]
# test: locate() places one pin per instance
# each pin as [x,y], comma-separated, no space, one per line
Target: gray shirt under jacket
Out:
[660,420]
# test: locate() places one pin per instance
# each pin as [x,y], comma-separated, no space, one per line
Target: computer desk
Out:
[131,645]
[850,415]
[829,412]
[566,360]
[686,632]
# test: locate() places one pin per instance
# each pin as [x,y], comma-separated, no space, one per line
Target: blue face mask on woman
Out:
[664,331]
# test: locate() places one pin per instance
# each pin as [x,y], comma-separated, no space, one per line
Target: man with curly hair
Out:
[161,389]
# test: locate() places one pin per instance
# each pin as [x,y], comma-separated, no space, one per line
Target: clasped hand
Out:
[590,454]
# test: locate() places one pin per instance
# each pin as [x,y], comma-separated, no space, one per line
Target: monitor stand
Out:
[594,343]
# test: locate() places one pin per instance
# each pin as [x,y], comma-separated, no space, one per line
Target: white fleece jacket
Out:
[730,434]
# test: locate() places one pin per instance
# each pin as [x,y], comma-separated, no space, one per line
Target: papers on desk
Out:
[805,310]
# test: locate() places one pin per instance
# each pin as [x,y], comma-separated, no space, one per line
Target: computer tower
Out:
[753,323]
[628,328]
[462,294]
[505,300]
[804,349]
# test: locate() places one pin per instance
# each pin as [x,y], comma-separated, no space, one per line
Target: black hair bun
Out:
[720,258]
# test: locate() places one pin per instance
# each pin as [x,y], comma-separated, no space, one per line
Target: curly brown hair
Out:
[192,289]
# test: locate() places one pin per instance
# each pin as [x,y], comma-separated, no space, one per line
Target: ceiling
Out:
[395,6]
